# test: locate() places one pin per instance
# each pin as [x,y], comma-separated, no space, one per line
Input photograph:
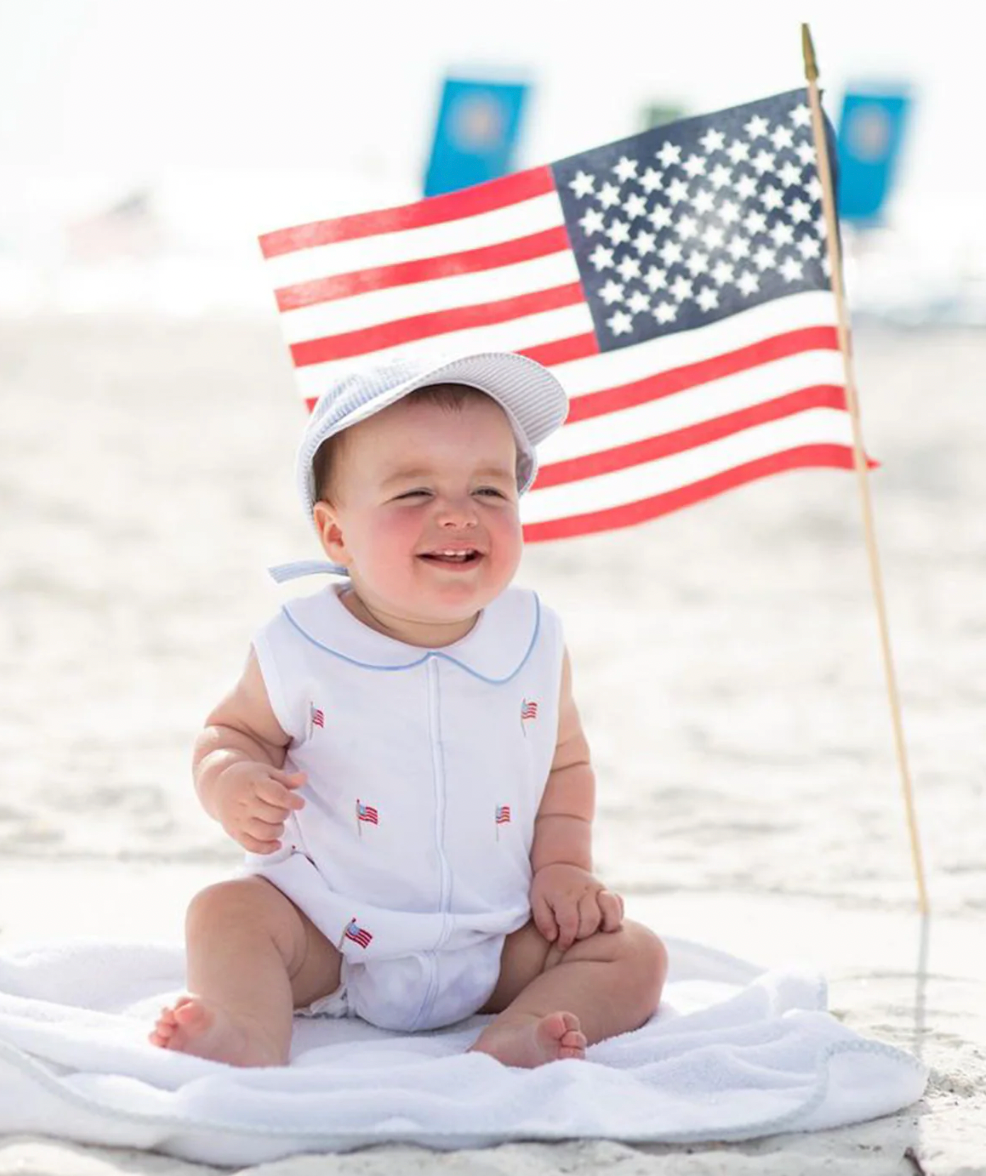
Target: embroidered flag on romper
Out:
[366,812]
[358,934]
[676,282]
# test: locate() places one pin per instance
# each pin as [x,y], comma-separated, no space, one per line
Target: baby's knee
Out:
[648,952]
[230,903]
[643,962]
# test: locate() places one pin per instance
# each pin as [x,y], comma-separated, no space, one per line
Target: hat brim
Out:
[532,398]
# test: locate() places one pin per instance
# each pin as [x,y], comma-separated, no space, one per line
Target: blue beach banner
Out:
[871,133]
[476,134]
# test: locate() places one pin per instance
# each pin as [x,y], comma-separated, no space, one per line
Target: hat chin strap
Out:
[306,567]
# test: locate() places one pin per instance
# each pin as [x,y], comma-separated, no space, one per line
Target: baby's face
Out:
[425,512]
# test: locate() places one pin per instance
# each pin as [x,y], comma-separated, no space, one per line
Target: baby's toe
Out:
[572,1044]
[160,1034]
[191,1014]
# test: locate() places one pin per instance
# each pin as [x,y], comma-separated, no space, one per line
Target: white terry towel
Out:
[734,1053]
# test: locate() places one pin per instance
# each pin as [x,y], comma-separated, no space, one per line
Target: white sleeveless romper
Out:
[425,772]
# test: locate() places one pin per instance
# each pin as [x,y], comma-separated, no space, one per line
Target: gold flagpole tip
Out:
[808,52]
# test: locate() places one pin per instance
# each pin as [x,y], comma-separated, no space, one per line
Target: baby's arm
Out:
[237,764]
[567,902]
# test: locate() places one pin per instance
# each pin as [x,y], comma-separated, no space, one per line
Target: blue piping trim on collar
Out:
[431,652]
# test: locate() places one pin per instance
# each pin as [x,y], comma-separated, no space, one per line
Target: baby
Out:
[403,759]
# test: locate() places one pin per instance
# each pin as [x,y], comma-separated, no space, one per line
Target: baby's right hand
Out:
[253,800]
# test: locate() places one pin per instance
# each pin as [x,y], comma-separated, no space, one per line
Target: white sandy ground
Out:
[726,664]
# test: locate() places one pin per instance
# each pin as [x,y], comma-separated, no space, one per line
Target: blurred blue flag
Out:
[871,131]
[477,130]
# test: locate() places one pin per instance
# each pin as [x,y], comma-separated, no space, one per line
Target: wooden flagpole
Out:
[859,453]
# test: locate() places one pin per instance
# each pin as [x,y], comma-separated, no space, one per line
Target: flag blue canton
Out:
[692,222]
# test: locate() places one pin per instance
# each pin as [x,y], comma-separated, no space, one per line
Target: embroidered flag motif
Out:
[358,934]
[503,814]
[316,716]
[366,812]
[528,710]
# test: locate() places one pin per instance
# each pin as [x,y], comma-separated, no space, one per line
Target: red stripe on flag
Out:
[594,404]
[563,350]
[439,322]
[606,461]
[501,193]
[827,456]
[385,277]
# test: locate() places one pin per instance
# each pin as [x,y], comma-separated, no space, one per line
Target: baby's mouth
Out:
[452,556]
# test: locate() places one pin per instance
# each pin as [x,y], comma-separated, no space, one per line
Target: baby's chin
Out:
[421,622]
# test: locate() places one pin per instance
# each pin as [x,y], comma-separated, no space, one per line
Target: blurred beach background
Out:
[726,657]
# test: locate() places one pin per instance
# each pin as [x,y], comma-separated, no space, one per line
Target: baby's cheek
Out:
[508,537]
[391,542]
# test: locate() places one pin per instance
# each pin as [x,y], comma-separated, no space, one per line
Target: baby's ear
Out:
[330,533]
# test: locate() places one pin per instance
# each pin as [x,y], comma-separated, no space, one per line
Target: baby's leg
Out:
[253,957]
[552,1004]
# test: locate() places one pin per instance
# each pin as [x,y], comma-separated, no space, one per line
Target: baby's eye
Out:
[413,494]
[490,492]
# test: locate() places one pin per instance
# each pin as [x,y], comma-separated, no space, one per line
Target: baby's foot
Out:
[200,1027]
[529,1040]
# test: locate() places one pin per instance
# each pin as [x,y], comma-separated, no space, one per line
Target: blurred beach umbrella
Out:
[871,134]
[476,133]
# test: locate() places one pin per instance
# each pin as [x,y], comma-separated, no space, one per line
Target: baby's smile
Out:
[453,556]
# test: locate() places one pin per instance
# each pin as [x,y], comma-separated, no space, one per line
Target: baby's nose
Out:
[454,515]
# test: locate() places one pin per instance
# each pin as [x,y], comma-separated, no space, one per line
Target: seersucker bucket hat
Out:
[532,398]
[534,401]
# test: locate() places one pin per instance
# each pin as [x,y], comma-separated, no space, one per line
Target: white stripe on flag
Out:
[471,232]
[611,369]
[448,293]
[817,426]
[693,406]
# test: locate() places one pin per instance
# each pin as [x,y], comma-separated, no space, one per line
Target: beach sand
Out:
[726,661]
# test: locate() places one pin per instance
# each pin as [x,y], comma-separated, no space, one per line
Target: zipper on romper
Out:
[438,767]
[438,778]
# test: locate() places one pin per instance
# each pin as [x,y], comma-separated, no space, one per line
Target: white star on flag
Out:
[651,181]
[582,184]
[620,323]
[592,221]
[669,154]
[625,169]
[609,194]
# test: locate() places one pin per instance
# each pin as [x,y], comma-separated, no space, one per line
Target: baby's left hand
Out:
[568,903]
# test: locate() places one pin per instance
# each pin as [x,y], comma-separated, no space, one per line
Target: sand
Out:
[726,664]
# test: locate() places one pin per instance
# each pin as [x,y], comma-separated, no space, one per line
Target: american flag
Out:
[317,716]
[358,934]
[366,812]
[503,814]
[676,282]
[528,710]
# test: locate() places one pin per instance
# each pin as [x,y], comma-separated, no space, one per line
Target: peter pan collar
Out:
[494,650]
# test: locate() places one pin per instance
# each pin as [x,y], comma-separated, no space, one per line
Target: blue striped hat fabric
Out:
[532,398]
